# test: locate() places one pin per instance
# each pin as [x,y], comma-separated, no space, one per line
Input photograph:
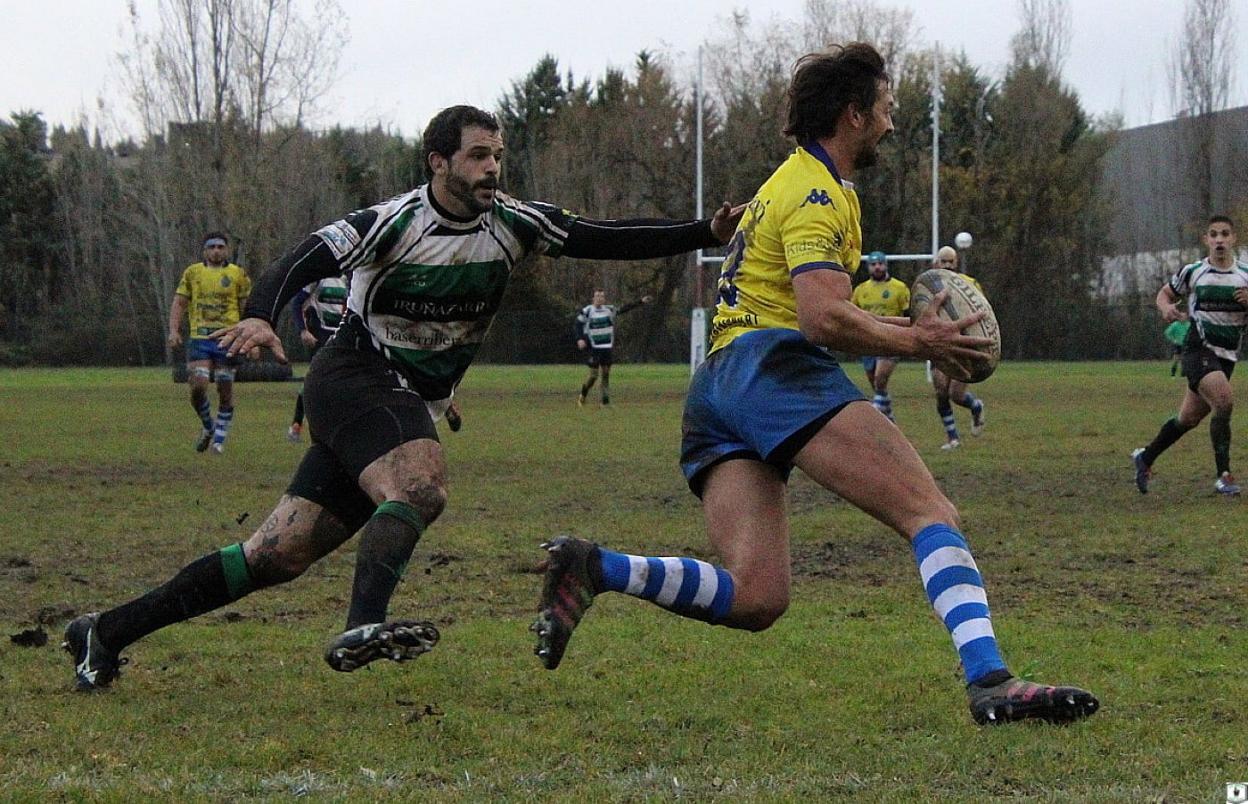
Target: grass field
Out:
[854,694]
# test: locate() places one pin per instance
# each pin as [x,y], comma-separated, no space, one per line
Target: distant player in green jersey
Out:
[771,396]
[887,297]
[1216,289]
[428,271]
[214,292]
[595,335]
[950,392]
[1176,335]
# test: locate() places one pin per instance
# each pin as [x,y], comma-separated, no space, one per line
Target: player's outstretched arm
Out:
[648,238]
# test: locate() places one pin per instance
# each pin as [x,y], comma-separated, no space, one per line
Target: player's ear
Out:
[438,163]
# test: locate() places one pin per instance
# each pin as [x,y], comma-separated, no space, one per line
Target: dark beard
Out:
[867,157]
[463,191]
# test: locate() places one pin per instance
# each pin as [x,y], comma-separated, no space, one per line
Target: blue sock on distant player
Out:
[204,409]
[946,418]
[225,416]
[969,401]
[956,591]
[685,586]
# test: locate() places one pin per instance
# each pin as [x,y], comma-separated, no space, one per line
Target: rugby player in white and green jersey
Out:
[428,270]
[595,334]
[1216,289]
[317,311]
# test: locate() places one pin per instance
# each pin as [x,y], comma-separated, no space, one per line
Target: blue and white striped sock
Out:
[946,418]
[883,403]
[685,586]
[225,416]
[204,409]
[956,591]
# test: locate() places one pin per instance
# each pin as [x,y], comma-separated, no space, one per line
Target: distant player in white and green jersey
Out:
[1216,289]
[317,311]
[595,334]
[428,272]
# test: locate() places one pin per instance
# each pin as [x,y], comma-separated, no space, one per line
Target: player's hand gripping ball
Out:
[963,300]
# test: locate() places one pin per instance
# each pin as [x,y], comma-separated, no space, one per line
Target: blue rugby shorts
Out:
[208,349]
[762,397]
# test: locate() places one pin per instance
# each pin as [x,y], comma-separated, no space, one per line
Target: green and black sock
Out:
[205,584]
[1220,434]
[1170,432]
[386,546]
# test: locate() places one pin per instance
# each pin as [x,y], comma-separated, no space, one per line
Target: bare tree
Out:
[285,64]
[1201,71]
[1202,66]
[1043,39]
[891,30]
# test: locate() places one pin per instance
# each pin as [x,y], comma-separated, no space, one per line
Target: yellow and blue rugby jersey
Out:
[888,298]
[803,218]
[216,295]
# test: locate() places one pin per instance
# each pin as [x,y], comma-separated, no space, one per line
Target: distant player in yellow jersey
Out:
[770,397]
[950,392]
[881,295]
[214,292]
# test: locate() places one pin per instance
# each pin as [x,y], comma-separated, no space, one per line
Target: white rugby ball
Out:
[963,300]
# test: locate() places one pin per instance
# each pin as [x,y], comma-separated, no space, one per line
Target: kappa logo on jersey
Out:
[819,197]
[887,293]
[340,236]
[225,281]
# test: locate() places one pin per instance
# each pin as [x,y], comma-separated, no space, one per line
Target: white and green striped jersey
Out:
[1211,303]
[426,286]
[328,298]
[598,325]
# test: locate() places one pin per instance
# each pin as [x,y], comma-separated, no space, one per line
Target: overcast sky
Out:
[408,58]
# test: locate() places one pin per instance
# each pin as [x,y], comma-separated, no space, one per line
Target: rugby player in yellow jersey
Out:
[885,296]
[950,392]
[214,292]
[770,396]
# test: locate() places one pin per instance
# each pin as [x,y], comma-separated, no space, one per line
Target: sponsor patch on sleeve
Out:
[340,236]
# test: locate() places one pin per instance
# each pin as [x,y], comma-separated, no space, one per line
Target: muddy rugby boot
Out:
[95,666]
[1015,699]
[396,640]
[567,593]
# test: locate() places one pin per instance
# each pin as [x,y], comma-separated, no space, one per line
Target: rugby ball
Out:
[964,299]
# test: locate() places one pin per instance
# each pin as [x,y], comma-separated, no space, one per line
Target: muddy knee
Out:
[269,564]
[428,497]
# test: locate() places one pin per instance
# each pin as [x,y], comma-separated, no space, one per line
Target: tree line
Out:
[94,234]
